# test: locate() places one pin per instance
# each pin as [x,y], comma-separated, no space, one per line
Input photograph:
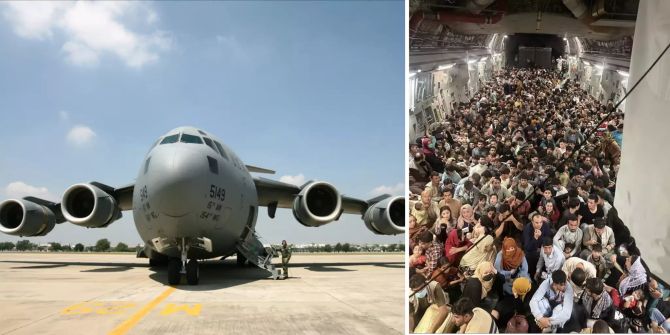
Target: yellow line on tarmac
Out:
[130,323]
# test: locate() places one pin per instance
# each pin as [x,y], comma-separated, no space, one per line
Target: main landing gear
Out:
[178,267]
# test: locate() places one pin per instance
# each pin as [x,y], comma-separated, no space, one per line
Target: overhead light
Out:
[418,71]
[483,59]
[586,63]
[600,67]
[565,39]
[504,36]
[472,61]
[412,74]
[444,67]
[623,73]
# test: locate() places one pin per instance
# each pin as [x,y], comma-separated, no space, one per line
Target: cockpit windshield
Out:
[170,139]
[186,138]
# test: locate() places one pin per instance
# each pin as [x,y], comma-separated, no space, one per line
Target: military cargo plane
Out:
[194,199]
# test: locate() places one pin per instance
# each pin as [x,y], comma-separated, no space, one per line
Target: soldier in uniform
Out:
[285,257]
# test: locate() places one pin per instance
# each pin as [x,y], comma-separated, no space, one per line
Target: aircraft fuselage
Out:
[190,189]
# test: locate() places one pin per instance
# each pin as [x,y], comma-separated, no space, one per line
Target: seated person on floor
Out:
[551,259]
[472,320]
[511,263]
[552,303]
[428,305]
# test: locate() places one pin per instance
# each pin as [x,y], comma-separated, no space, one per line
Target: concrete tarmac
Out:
[97,293]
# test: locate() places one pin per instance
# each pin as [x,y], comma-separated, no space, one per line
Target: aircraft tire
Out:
[156,262]
[174,271]
[241,260]
[192,272]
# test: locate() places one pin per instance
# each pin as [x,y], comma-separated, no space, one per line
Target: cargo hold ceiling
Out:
[467,24]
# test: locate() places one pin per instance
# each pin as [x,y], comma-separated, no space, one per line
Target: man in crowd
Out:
[433,187]
[433,250]
[598,233]
[467,193]
[551,304]
[453,204]
[578,271]
[472,320]
[533,237]
[590,212]
[494,187]
[506,225]
[600,263]
[424,209]
[550,261]
[570,235]
[480,167]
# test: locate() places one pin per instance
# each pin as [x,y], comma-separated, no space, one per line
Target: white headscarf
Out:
[637,276]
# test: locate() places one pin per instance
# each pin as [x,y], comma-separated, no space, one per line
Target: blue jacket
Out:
[530,244]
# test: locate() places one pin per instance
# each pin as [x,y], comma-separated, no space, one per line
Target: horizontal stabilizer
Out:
[257,169]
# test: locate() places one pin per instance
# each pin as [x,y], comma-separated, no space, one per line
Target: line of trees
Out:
[346,247]
[101,246]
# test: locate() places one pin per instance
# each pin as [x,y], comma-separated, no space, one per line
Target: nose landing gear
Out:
[178,267]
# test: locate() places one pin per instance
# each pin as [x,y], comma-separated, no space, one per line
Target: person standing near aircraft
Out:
[285,257]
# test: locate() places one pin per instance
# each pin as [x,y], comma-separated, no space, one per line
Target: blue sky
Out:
[314,90]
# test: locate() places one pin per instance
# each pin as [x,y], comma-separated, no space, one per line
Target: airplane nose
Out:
[174,180]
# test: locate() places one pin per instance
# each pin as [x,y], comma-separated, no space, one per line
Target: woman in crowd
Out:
[456,245]
[482,250]
[511,263]
[467,217]
[445,224]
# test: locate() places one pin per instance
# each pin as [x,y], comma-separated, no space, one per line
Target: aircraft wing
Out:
[316,203]
[94,205]
[284,194]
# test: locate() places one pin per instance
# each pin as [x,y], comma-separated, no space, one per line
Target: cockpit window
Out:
[202,132]
[170,139]
[223,153]
[186,138]
[210,144]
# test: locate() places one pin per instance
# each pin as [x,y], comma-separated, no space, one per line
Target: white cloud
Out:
[34,20]
[298,180]
[19,189]
[64,115]
[91,29]
[80,135]
[397,189]
[80,54]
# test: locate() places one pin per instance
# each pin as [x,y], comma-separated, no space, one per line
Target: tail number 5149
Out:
[217,193]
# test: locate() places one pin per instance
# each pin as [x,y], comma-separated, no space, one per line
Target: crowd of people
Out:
[512,224]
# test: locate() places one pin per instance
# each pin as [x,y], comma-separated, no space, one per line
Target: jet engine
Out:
[386,217]
[25,218]
[317,203]
[88,206]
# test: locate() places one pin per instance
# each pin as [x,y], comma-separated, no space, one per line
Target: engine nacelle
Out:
[386,217]
[25,218]
[88,206]
[317,204]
